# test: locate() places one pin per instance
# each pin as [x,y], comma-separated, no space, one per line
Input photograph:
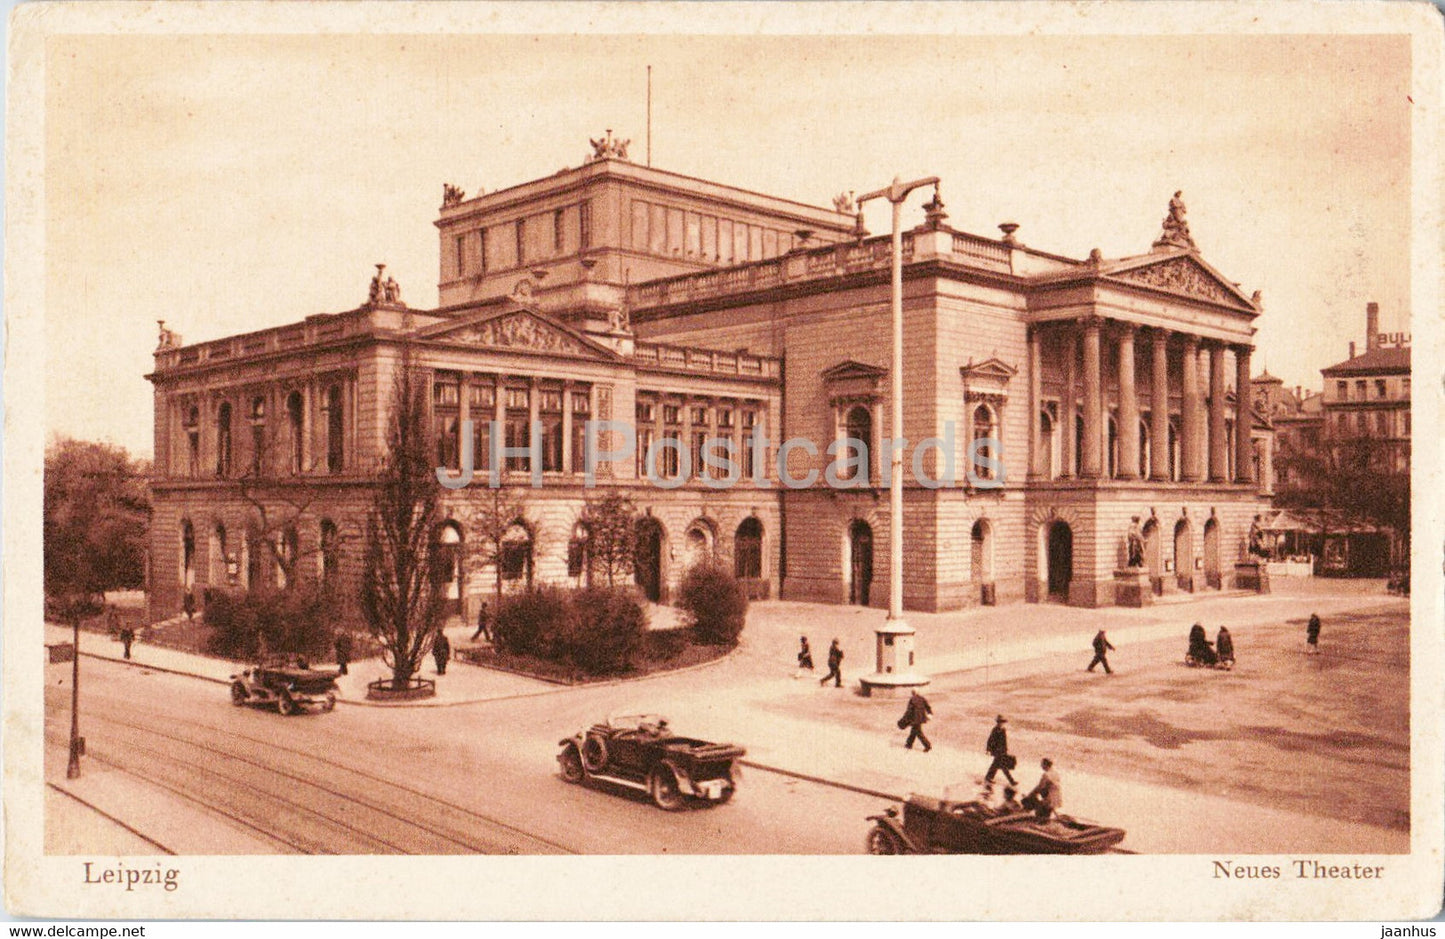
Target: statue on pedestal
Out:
[377,293]
[1176,228]
[1135,541]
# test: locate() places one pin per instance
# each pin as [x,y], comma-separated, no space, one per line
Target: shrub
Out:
[605,630]
[596,630]
[716,603]
[527,623]
[289,621]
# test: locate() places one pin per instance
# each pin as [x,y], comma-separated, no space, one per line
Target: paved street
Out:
[1288,752]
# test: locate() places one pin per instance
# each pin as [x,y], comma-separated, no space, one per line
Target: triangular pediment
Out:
[850,369]
[1183,273]
[994,368]
[518,329]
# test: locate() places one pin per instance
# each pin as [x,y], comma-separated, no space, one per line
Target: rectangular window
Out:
[670,455]
[645,412]
[644,444]
[518,434]
[581,412]
[1360,389]
[518,398]
[699,414]
[750,455]
[1406,417]
[482,441]
[1382,423]
[444,394]
[482,250]
[551,419]
[671,414]
[1342,390]
[1380,388]
[483,396]
[584,225]
[725,417]
[559,231]
[1405,387]
[521,237]
[461,255]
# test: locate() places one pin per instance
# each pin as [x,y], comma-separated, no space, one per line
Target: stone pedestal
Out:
[1252,575]
[895,662]
[1132,587]
[988,594]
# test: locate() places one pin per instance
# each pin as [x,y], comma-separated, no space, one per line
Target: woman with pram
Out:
[1201,650]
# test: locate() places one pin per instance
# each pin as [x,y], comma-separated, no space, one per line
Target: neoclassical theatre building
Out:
[690,311]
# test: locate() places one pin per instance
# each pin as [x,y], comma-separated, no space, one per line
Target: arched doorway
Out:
[1213,576]
[447,566]
[1184,554]
[748,550]
[647,559]
[188,556]
[860,562]
[1154,555]
[697,544]
[981,560]
[1061,560]
[579,560]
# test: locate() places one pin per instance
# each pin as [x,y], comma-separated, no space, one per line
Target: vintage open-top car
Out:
[941,826]
[639,751]
[288,682]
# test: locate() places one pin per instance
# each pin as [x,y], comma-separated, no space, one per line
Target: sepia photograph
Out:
[582,445]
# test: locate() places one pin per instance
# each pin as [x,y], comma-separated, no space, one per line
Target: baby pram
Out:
[1201,651]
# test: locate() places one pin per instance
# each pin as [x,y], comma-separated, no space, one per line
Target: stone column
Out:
[1218,447]
[566,466]
[1159,408]
[1090,464]
[1189,445]
[1128,407]
[1243,417]
[499,426]
[1036,403]
[534,416]
[1070,409]
[464,414]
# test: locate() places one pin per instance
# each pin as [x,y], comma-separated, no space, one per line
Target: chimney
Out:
[1352,350]
[1372,325]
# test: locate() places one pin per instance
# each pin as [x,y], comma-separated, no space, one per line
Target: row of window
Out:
[1370,423]
[524,241]
[272,445]
[689,428]
[243,561]
[1381,388]
[675,232]
[515,421]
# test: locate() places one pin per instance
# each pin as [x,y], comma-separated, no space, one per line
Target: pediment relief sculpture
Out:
[1183,276]
[520,331]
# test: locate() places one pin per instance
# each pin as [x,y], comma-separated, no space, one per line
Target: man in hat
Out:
[1102,648]
[835,663]
[1047,797]
[997,747]
[914,717]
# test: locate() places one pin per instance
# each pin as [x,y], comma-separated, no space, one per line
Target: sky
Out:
[227,183]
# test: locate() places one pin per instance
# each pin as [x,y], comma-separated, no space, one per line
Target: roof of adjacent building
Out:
[1391,361]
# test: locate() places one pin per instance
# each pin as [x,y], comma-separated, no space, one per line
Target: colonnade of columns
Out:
[1196,465]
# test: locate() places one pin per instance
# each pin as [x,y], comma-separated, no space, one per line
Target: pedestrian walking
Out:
[127,637]
[997,747]
[188,604]
[342,644]
[1312,635]
[805,656]
[1224,646]
[1102,647]
[1048,796]
[914,717]
[835,663]
[484,623]
[441,651]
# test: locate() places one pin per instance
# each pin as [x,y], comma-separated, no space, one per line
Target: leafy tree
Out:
[96,513]
[715,601]
[611,523]
[493,515]
[402,603]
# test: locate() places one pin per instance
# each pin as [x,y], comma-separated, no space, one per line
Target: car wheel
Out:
[882,841]
[730,790]
[238,693]
[286,704]
[571,762]
[665,791]
[594,753]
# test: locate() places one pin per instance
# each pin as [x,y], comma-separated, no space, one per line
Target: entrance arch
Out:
[647,558]
[860,562]
[748,550]
[982,551]
[1213,576]
[447,565]
[698,544]
[1154,555]
[1184,554]
[1061,560]
[188,556]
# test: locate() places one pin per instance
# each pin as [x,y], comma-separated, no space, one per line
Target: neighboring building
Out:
[1367,396]
[1296,418]
[695,310]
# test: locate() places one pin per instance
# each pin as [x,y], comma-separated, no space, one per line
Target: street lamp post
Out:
[72,770]
[895,659]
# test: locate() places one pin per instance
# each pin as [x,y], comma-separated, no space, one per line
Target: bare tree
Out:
[492,519]
[402,601]
[611,523]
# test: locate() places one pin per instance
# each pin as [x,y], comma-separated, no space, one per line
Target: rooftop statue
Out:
[607,147]
[1176,227]
[169,338]
[843,202]
[451,195]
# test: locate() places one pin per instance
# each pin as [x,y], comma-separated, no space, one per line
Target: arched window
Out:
[218,551]
[858,426]
[985,438]
[516,559]
[330,552]
[295,423]
[335,430]
[258,435]
[223,439]
[1046,443]
[193,441]
[748,550]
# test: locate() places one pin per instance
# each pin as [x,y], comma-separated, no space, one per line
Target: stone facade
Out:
[691,310]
